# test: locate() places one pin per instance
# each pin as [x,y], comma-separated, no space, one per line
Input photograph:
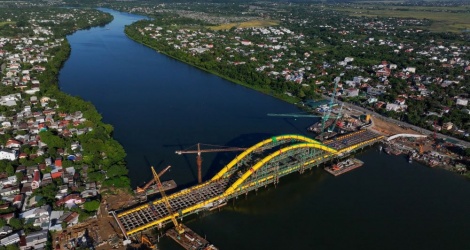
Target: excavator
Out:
[140,190]
[145,241]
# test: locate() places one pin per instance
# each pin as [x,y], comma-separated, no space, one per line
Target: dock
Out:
[344,166]
[190,239]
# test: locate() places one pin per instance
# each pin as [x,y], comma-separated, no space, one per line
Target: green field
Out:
[443,19]
[247,24]
[5,23]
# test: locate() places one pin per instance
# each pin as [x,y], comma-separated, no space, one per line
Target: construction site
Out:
[129,221]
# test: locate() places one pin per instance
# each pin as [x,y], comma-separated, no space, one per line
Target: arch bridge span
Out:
[262,164]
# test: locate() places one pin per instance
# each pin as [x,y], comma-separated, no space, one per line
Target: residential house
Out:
[38,216]
[12,143]
[7,154]
[20,168]
[9,191]
[36,183]
[5,230]
[9,181]
[71,218]
[56,173]
[461,102]
[89,193]
[351,92]
[26,189]
[70,200]
[447,126]
[56,222]
[11,239]
[7,217]
[46,179]
[395,107]
[33,201]
[35,240]
[18,201]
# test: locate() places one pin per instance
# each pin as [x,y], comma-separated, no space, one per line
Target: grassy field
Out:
[5,23]
[442,21]
[248,24]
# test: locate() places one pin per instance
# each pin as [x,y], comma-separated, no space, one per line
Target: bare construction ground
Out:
[388,129]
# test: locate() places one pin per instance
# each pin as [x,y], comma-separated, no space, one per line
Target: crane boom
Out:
[337,117]
[180,152]
[152,181]
[330,105]
[294,115]
[178,227]
[198,151]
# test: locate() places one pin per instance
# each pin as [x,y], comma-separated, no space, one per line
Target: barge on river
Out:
[344,166]
[189,239]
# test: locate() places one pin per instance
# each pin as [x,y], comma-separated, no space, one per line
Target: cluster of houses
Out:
[25,113]
[29,205]
[275,52]
[31,123]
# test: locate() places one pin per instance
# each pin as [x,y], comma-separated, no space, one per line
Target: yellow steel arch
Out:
[261,163]
[237,183]
[259,145]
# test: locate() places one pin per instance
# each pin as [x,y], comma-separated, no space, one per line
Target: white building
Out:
[6,154]
[462,102]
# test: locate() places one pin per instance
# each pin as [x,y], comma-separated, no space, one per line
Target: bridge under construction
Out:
[258,166]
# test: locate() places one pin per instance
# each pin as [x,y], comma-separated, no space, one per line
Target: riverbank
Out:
[429,152]
[159,105]
[283,97]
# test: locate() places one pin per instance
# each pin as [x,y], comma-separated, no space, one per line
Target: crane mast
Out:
[337,117]
[330,105]
[178,226]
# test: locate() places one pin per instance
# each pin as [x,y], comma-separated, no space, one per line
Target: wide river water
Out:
[158,105]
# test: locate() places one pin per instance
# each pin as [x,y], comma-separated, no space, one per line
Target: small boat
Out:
[410,160]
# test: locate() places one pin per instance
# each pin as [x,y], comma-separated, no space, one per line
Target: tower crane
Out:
[336,120]
[142,189]
[198,151]
[179,227]
[295,115]
[327,115]
[330,105]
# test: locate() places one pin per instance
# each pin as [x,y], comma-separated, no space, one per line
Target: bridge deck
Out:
[152,212]
[198,197]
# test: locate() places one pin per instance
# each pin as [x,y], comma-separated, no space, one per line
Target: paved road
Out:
[403,124]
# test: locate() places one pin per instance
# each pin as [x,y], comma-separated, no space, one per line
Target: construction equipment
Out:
[326,116]
[178,227]
[142,189]
[295,115]
[421,150]
[336,120]
[198,151]
[145,241]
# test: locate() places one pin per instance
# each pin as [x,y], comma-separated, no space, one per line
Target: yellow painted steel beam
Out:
[347,149]
[259,164]
[239,183]
[259,145]
[172,196]
[227,167]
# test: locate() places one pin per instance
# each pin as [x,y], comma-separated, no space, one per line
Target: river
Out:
[158,105]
